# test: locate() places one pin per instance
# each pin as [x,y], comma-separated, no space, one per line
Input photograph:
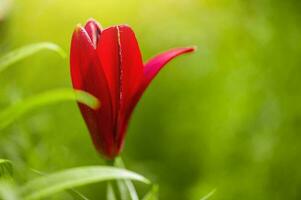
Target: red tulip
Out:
[107,63]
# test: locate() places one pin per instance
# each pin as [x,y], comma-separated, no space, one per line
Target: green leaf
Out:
[23,52]
[152,194]
[123,191]
[207,196]
[53,183]
[126,187]
[8,190]
[6,168]
[11,113]
[74,193]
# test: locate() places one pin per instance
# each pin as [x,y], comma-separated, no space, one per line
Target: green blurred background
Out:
[226,117]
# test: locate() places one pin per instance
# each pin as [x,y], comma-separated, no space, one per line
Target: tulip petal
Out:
[93,29]
[81,52]
[109,56]
[132,76]
[151,69]
[154,65]
[120,57]
[87,74]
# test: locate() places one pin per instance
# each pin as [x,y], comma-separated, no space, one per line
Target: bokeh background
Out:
[226,117]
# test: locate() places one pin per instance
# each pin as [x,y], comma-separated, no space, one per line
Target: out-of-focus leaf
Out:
[126,187]
[207,196]
[6,168]
[110,192]
[53,183]
[23,52]
[123,191]
[74,193]
[152,194]
[11,113]
[8,190]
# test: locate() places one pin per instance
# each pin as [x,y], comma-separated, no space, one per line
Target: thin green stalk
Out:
[110,186]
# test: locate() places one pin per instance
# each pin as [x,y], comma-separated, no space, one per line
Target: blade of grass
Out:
[207,196]
[123,191]
[8,190]
[11,113]
[25,51]
[74,193]
[126,187]
[110,192]
[59,181]
[152,194]
[77,195]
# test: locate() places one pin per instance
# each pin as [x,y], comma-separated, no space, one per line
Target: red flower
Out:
[107,63]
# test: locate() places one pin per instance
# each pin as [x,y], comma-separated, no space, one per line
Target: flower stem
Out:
[110,163]
[110,186]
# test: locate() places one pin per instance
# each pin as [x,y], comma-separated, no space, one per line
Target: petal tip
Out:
[193,48]
[91,20]
[124,25]
[78,28]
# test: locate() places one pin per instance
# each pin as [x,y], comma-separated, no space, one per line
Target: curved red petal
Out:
[81,52]
[132,76]
[121,59]
[93,29]
[154,65]
[87,75]
[109,56]
[151,69]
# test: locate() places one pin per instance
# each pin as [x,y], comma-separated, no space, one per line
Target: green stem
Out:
[110,186]
[110,163]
